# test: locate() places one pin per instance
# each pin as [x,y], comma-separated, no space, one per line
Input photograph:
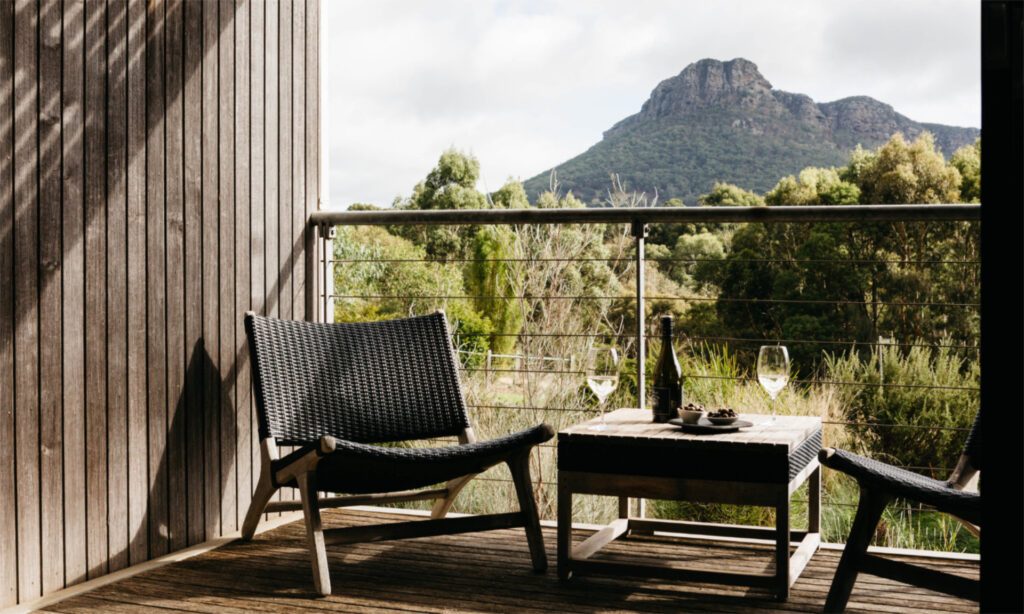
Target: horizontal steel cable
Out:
[732,379]
[580,297]
[697,338]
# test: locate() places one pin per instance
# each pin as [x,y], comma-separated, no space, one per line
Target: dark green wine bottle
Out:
[668,377]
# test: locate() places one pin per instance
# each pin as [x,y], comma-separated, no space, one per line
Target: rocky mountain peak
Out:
[707,83]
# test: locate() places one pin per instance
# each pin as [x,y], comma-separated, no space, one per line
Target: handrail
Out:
[653,215]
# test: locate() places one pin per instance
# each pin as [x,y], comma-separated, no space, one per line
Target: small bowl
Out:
[691,417]
[722,420]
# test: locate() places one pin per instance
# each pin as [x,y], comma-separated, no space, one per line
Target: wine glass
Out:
[602,377]
[773,370]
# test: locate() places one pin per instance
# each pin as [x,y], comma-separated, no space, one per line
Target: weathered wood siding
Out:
[158,159]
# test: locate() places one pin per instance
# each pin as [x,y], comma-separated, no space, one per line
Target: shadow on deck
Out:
[483,572]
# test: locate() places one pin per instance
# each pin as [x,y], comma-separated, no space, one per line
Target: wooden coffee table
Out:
[762,466]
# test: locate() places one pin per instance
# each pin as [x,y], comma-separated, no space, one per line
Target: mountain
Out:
[723,121]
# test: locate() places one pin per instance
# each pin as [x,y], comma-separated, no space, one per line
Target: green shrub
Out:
[924,388]
[472,332]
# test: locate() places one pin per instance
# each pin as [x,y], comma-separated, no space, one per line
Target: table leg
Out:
[640,511]
[564,529]
[782,537]
[814,502]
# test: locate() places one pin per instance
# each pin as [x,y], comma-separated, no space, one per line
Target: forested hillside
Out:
[724,122]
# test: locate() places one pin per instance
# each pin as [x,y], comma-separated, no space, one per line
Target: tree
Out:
[839,282]
[928,291]
[449,185]
[495,284]
[721,195]
[510,196]
[967,160]
[695,259]
[813,186]
[793,281]
[729,195]
[902,172]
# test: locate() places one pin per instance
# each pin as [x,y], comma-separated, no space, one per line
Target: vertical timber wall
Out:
[158,160]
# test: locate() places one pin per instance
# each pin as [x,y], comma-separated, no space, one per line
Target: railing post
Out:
[326,235]
[309,249]
[640,233]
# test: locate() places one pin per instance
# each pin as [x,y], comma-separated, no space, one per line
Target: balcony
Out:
[485,572]
[506,391]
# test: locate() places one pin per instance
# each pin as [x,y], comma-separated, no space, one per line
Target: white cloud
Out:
[526,85]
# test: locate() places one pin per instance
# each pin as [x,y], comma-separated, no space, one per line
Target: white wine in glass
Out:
[602,377]
[773,370]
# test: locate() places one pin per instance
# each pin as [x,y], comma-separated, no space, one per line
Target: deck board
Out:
[483,572]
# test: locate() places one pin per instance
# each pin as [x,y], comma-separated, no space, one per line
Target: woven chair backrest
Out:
[972,447]
[368,382]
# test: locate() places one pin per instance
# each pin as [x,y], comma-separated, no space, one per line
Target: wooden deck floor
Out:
[483,572]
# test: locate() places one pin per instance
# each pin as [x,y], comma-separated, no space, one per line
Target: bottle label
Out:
[666,403]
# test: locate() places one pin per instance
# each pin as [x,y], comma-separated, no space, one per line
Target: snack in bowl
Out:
[722,416]
[691,413]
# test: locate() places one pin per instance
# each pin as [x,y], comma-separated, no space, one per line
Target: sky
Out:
[526,85]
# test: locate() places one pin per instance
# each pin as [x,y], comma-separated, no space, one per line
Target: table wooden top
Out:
[786,432]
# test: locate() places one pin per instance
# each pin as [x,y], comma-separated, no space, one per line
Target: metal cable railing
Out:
[502,387]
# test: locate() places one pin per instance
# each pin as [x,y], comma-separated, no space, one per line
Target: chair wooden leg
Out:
[264,491]
[564,530]
[869,512]
[315,534]
[520,468]
[442,505]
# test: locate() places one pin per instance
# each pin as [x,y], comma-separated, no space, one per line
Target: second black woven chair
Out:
[334,390]
[881,483]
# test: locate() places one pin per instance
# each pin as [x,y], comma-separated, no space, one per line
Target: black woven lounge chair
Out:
[333,390]
[881,483]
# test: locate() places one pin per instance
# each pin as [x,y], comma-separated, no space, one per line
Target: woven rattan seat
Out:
[338,392]
[879,484]
[364,468]
[879,476]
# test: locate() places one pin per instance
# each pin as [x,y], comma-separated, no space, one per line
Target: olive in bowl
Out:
[722,416]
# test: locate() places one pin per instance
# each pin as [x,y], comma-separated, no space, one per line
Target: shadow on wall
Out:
[131,413]
[122,283]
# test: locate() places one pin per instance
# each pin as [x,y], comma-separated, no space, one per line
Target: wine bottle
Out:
[668,377]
